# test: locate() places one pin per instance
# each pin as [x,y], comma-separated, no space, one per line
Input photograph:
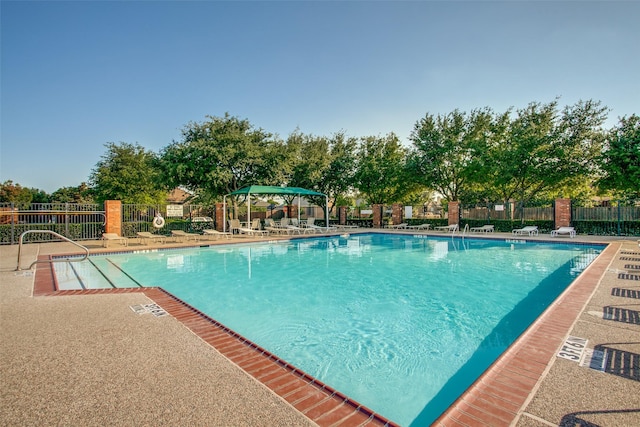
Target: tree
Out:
[446,151]
[620,161]
[14,193]
[221,155]
[79,194]
[17,194]
[325,165]
[381,174]
[544,150]
[129,173]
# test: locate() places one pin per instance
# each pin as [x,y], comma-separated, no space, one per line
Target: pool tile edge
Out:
[566,308]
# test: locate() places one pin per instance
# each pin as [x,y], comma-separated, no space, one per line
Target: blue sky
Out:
[76,75]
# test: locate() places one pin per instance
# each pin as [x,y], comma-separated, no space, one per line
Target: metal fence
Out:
[617,220]
[86,221]
[190,218]
[76,221]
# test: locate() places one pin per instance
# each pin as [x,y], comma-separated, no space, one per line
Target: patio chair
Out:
[179,234]
[567,231]
[487,228]
[451,228]
[147,237]
[531,230]
[111,237]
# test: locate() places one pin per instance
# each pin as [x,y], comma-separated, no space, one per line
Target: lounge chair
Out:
[110,237]
[419,227]
[179,234]
[271,226]
[452,228]
[487,228]
[287,223]
[531,230]
[234,225]
[398,226]
[310,224]
[215,233]
[568,231]
[148,237]
[296,227]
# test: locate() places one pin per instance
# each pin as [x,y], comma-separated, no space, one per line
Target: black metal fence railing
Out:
[76,221]
[617,220]
[190,218]
[86,221]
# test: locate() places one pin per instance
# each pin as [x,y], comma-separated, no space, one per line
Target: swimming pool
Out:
[402,324]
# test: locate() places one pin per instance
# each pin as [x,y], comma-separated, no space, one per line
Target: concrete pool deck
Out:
[89,360]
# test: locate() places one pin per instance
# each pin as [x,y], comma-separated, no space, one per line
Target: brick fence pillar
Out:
[377,216]
[219,216]
[113,216]
[562,213]
[342,215]
[454,213]
[293,211]
[396,213]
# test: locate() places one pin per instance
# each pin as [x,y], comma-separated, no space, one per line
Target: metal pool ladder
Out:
[59,236]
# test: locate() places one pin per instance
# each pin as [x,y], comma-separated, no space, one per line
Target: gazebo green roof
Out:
[267,189]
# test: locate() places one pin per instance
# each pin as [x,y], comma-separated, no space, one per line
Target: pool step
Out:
[92,274]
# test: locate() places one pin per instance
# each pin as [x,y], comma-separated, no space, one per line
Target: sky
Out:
[76,75]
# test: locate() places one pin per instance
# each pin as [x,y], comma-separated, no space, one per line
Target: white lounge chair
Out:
[234,224]
[111,237]
[487,228]
[398,226]
[531,230]
[147,237]
[293,228]
[215,233]
[567,231]
[452,228]
[184,236]
[271,226]
[419,227]
[310,224]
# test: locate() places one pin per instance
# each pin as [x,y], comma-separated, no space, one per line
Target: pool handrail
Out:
[50,260]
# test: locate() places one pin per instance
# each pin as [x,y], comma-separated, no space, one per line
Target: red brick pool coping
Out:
[496,398]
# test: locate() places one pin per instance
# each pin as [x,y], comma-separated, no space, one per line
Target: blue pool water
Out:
[401,324]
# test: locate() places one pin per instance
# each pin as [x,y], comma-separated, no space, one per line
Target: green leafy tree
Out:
[620,161]
[546,150]
[22,196]
[381,174]
[445,155]
[79,194]
[326,165]
[129,173]
[221,155]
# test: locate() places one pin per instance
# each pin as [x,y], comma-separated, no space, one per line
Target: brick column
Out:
[219,216]
[562,213]
[113,213]
[293,211]
[377,216]
[454,213]
[397,213]
[342,215]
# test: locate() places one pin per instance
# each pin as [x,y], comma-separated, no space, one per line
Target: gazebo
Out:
[274,190]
